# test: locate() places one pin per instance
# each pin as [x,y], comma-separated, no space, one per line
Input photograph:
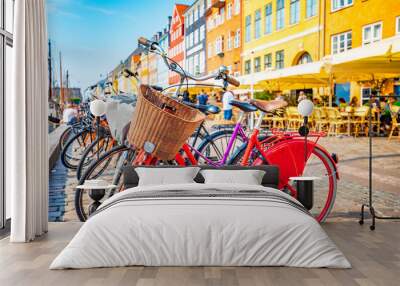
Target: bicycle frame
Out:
[188,149]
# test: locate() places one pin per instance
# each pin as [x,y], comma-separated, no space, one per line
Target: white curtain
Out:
[26,124]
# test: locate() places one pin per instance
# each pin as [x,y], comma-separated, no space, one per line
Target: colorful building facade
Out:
[162,69]
[280,33]
[356,23]
[195,38]
[177,40]
[224,35]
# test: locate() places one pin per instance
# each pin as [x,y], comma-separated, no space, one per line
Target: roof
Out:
[181,8]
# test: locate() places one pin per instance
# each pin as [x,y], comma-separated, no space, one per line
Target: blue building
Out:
[195,38]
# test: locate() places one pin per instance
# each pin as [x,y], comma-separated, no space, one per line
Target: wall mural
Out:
[256,83]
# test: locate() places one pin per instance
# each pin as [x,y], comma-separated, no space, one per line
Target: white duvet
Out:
[202,231]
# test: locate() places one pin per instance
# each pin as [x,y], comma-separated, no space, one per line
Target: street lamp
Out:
[98,109]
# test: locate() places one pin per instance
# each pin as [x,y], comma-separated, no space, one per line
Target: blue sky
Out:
[95,35]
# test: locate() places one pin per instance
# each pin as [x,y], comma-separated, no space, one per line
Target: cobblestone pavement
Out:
[353,170]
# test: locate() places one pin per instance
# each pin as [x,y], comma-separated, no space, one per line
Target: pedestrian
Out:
[70,115]
[186,96]
[342,104]
[202,98]
[354,102]
[302,96]
[226,104]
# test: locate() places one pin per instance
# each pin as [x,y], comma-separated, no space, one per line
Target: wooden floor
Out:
[375,257]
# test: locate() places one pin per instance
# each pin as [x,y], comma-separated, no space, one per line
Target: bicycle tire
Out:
[64,137]
[329,204]
[85,161]
[106,157]
[66,158]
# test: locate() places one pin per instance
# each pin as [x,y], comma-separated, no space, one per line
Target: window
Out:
[280,14]
[229,11]
[398,25]
[341,42]
[196,36]
[195,14]
[304,59]
[248,28]
[201,10]
[202,62]
[339,4]
[237,7]
[267,61]
[6,64]
[372,33]
[311,8]
[221,16]
[257,24]
[237,39]
[191,40]
[202,32]
[279,60]
[268,19]
[209,50]
[229,42]
[257,64]
[196,60]
[247,67]
[219,45]
[294,11]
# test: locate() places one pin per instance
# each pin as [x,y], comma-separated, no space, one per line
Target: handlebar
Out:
[221,74]
[232,81]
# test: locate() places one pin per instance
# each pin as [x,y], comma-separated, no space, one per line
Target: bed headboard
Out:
[270,179]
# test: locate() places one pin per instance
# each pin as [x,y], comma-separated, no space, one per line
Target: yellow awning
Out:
[375,61]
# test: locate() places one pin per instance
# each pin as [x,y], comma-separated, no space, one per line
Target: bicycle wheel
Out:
[93,152]
[75,147]
[65,136]
[214,146]
[318,165]
[109,168]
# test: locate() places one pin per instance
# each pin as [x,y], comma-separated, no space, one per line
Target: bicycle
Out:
[256,149]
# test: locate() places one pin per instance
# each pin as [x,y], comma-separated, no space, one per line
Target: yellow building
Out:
[280,33]
[356,23]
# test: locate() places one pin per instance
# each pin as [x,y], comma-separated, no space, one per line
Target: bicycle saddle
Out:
[244,106]
[205,108]
[268,106]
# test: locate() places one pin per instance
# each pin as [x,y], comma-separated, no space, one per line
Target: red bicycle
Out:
[295,155]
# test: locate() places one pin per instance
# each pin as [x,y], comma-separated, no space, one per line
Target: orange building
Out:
[224,35]
[177,40]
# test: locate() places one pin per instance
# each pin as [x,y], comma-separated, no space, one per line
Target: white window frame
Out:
[294,16]
[247,30]
[196,36]
[311,8]
[202,32]
[268,19]
[398,25]
[210,50]
[257,24]
[373,39]
[237,7]
[337,36]
[236,43]
[229,11]
[280,15]
[336,5]
[229,42]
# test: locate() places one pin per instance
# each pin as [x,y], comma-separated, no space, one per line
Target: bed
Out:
[201,224]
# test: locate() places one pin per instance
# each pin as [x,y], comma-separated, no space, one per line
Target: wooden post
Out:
[61,86]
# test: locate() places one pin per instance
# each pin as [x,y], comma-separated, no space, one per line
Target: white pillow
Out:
[166,176]
[246,177]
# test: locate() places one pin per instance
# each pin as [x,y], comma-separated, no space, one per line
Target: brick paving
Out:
[353,184]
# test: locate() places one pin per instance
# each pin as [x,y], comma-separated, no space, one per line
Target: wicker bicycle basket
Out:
[163,121]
